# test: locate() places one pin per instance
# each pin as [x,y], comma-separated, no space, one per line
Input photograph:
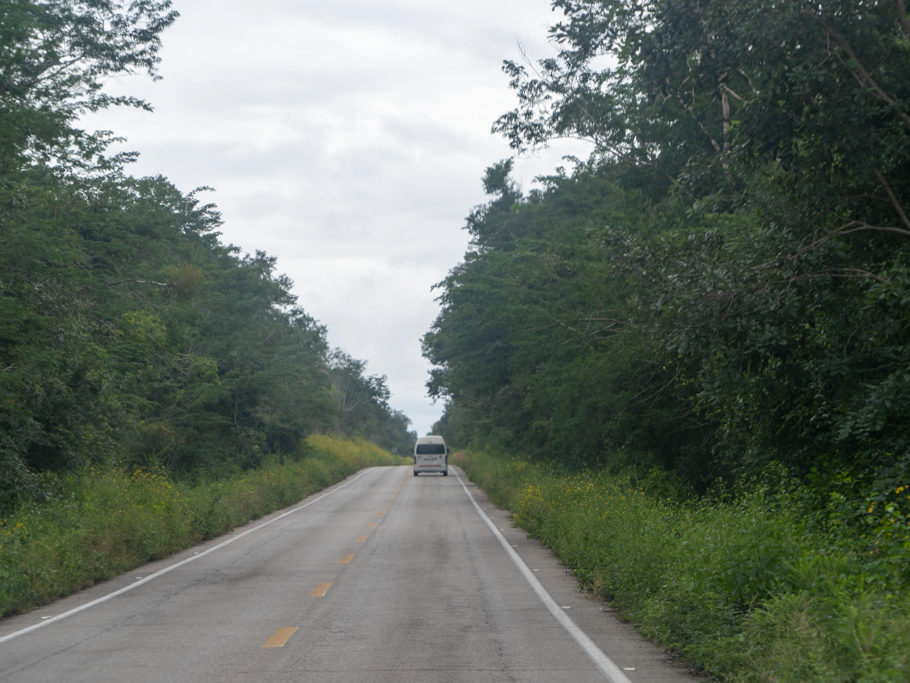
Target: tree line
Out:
[129,333]
[723,286]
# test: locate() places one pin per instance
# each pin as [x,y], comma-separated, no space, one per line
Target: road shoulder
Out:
[640,660]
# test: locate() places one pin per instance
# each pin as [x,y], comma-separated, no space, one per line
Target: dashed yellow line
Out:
[280,637]
[320,590]
[362,539]
[346,559]
[374,524]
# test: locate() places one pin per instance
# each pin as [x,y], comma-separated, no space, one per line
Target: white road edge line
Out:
[606,665]
[176,565]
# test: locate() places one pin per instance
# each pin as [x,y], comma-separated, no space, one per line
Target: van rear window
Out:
[430,448]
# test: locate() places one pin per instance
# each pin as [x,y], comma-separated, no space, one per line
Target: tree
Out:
[128,332]
[733,278]
[55,56]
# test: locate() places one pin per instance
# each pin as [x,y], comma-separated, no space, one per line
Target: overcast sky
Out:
[347,138]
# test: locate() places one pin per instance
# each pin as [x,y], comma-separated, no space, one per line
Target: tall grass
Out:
[748,588]
[105,522]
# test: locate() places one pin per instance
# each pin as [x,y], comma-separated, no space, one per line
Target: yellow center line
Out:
[320,590]
[280,637]
[381,514]
[346,559]
[374,524]
[362,539]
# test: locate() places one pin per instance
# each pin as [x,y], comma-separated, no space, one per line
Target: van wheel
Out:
[415,474]
[446,473]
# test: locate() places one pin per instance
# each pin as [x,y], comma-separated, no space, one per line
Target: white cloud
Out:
[346,138]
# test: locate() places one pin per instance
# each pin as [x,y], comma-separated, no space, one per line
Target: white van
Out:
[431,455]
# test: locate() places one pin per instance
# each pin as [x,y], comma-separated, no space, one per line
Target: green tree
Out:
[128,332]
[55,57]
[733,278]
[363,404]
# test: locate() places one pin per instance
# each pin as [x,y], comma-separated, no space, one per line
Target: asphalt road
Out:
[384,577]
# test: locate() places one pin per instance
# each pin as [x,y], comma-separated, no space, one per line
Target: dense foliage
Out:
[128,332]
[725,282]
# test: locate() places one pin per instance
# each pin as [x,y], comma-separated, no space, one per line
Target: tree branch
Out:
[859,72]
[894,201]
[902,17]
[612,321]
[138,282]
[847,229]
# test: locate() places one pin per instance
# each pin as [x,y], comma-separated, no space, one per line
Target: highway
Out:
[383,577]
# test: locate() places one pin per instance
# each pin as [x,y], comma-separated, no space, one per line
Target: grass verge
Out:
[104,523]
[747,589]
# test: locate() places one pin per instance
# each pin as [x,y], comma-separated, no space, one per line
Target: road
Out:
[384,577]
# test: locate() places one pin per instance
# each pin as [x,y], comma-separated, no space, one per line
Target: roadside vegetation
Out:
[102,523]
[131,337]
[157,387]
[752,585]
[698,338]
[725,283]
